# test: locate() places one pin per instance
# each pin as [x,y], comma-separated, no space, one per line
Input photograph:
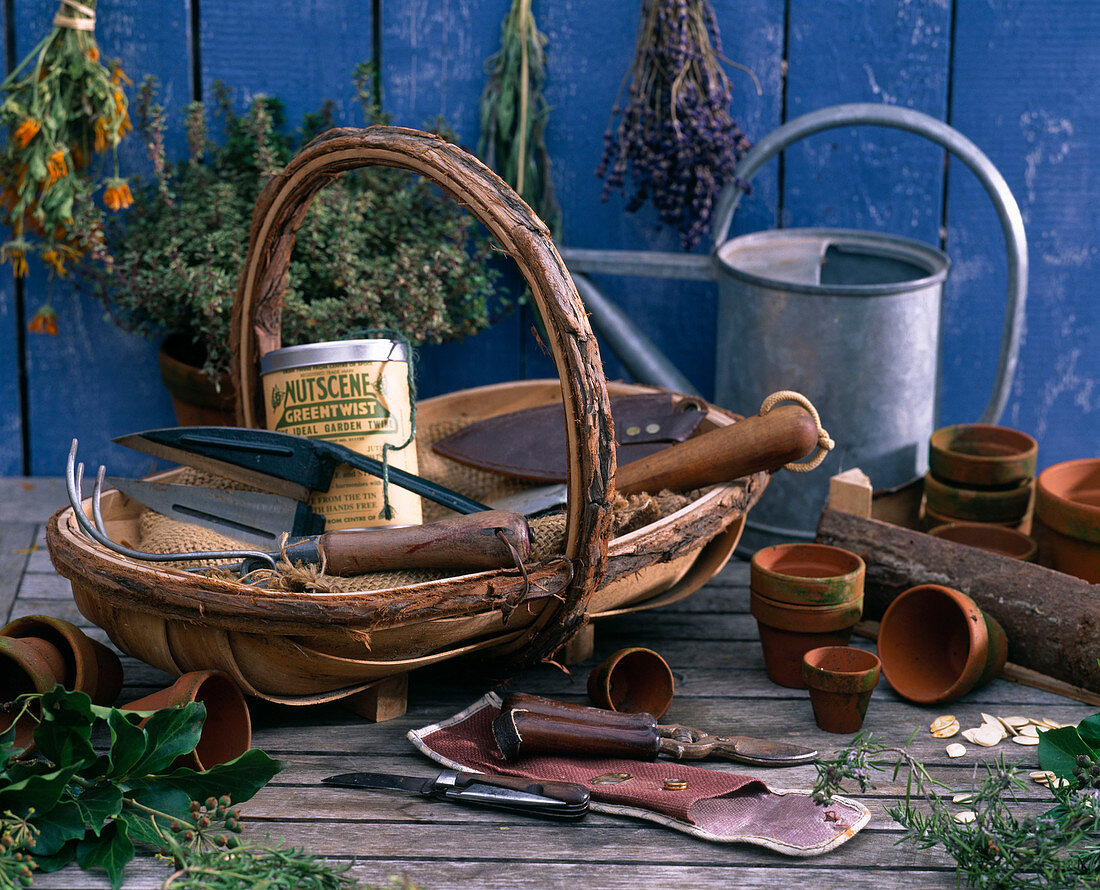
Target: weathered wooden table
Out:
[710,641]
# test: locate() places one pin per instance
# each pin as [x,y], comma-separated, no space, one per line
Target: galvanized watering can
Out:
[850,319]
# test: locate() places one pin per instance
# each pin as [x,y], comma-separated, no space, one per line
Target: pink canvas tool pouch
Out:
[709,803]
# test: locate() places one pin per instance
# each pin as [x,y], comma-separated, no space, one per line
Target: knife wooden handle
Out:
[767,442]
[468,542]
[521,733]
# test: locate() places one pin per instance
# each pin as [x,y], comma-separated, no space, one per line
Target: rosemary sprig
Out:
[996,849]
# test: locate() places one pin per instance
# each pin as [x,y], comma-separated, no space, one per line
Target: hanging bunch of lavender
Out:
[674,135]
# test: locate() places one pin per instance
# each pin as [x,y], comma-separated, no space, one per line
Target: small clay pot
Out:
[90,667]
[981,455]
[632,681]
[1068,504]
[976,504]
[991,538]
[936,645]
[788,632]
[227,730]
[840,680]
[26,665]
[932,519]
[805,574]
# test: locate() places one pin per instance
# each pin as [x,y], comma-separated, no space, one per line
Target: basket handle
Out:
[907,119]
[257,315]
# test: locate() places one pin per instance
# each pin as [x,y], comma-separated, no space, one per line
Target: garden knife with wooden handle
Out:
[531,724]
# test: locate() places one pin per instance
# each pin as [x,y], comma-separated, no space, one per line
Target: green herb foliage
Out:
[998,850]
[379,248]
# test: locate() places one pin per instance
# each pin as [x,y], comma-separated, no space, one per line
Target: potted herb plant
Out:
[379,249]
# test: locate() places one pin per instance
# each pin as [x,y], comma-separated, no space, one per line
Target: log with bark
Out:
[1052,620]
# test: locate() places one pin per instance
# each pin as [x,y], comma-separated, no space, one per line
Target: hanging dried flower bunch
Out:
[674,134]
[514,114]
[61,106]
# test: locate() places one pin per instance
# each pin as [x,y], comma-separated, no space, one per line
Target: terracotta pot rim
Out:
[804,619]
[1015,543]
[952,465]
[851,565]
[1064,514]
[977,504]
[979,644]
[932,515]
[660,684]
[818,675]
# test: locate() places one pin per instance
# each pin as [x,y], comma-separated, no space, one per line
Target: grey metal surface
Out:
[336,352]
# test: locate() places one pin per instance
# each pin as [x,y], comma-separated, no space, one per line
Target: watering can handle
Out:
[924,125]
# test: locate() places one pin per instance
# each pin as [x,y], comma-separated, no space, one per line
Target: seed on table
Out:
[966,817]
[943,721]
[956,750]
[985,735]
[1042,776]
[963,797]
[1030,730]
[945,732]
[1025,739]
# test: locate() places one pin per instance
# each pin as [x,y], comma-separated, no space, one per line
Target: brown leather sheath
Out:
[530,444]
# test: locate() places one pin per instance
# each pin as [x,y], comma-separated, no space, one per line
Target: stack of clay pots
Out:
[803,596]
[1068,506]
[981,481]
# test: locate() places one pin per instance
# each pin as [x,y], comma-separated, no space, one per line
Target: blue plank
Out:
[92,381]
[1042,134]
[11,399]
[301,52]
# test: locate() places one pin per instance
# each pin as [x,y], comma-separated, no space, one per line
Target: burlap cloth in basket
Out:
[159,534]
[715,806]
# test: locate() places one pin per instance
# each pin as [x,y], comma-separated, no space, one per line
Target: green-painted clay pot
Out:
[1068,505]
[975,504]
[981,455]
[840,680]
[807,574]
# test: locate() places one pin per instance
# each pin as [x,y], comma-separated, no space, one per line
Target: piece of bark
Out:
[1052,620]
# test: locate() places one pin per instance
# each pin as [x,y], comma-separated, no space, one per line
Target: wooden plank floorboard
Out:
[711,643]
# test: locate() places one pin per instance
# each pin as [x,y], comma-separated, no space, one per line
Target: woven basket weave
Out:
[303,648]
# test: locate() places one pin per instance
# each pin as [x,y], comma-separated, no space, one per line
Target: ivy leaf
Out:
[139,823]
[1059,747]
[169,733]
[48,862]
[98,804]
[240,778]
[1089,730]
[64,734]
[62,825]
[110,851]
[35,788]
[128,743]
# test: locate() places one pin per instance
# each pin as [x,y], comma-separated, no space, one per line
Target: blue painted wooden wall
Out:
[1021,79]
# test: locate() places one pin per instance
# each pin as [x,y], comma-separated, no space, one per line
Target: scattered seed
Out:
[1051,724]
[1042,776]
[965,817]
[941,722]
[956,750]
[985,735]
[963,797]
[1025,740]
[946,731]
[1059,782]
[1008,726]
[1016,722]
[1030,730]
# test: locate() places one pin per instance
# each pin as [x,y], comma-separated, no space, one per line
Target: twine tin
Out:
[356,393]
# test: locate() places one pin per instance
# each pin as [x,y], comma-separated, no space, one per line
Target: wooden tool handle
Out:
[468,542]
[785,434]
[549,707]
[522,733]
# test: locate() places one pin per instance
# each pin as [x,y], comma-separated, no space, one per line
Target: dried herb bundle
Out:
[61,106]
[514,114]
[675,136]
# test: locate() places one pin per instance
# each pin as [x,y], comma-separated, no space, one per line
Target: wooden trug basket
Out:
[306,648]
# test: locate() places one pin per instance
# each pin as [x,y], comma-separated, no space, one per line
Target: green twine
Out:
[410,353]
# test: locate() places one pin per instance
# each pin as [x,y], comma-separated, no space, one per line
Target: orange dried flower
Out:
[120,102]
[101,129]
[26,131]
[124,125]
[54,259]
[92,52]
[117,195]
[56,166]
[14,252]
[44,321]
[119,76]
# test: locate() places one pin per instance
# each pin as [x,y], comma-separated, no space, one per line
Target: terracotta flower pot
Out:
[26,665]
[807,574]
[975,504]
[227,730]
[936,645]
[632,681]
[788,632]
[932,519]
[840,680]
[1068,504]
[980,455]
[90,666]
[198,398]
[991,538]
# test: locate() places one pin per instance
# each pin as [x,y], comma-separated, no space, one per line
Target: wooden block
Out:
[384,700]
[850,492]
[580,648]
